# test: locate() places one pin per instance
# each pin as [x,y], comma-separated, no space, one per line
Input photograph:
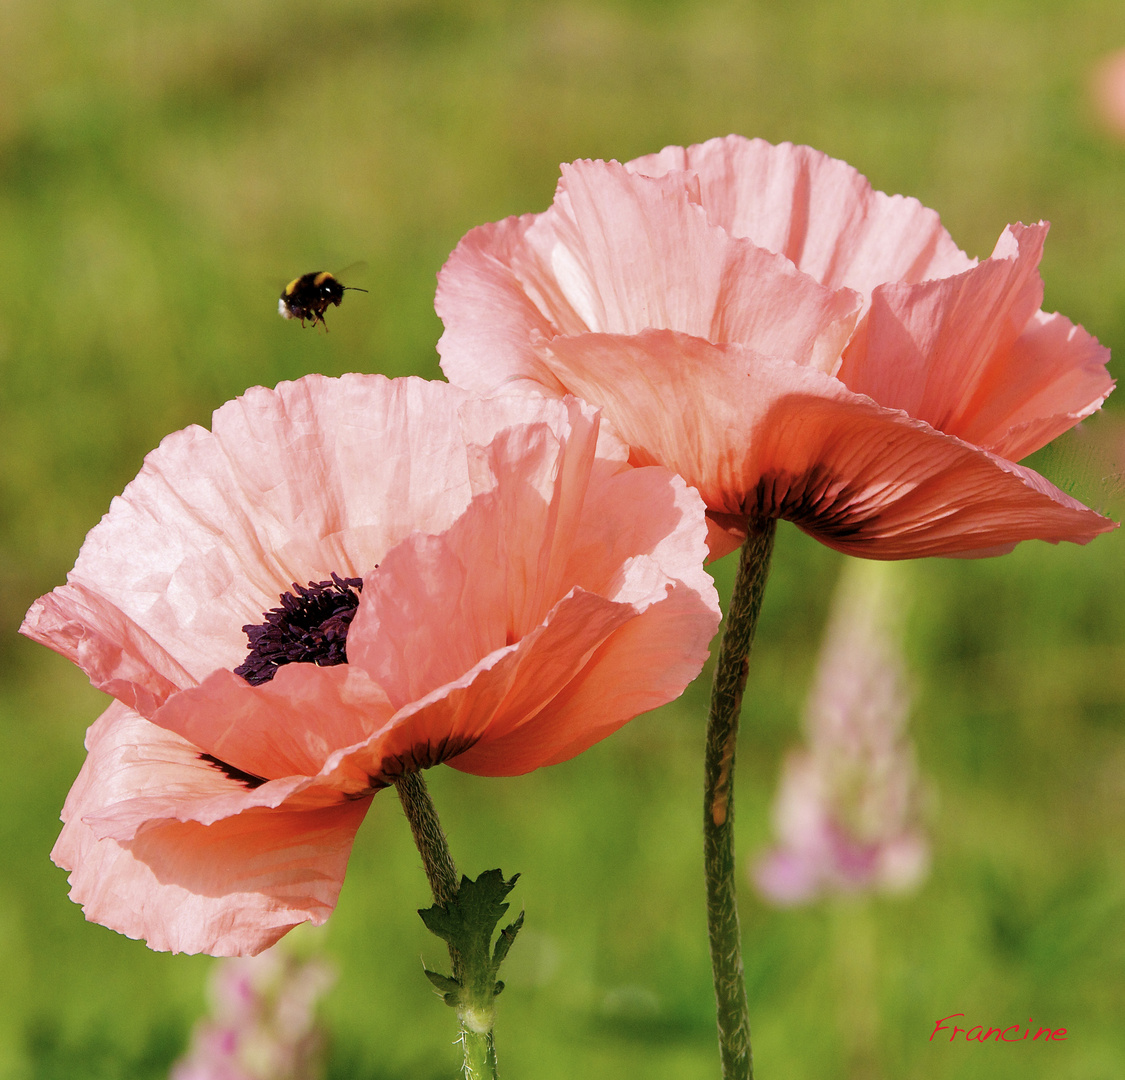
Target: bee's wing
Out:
[353,275]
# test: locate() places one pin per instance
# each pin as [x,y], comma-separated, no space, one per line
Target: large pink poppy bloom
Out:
[502,595]
[792,342]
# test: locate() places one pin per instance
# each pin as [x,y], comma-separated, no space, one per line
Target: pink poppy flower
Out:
[502,595]
[792,342]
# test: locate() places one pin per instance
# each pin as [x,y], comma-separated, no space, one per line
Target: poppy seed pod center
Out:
[309,627]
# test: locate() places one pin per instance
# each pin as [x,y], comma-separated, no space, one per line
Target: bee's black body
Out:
[308,297]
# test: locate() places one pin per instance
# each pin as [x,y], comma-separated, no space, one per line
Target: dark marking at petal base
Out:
[817,501]
[309,627]
[249,780]
[421,756]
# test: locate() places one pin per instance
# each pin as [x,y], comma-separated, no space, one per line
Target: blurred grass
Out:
[166,167]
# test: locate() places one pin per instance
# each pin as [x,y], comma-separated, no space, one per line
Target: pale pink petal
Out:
[955,352]
[486,295]
[1053,376]
[234,886]
[619,253]
[760,437]
[644,663]
[452,627]
[708,435]
[633,253]
[231,888]
[787,877]
[289,726]
[136,773]
[293,484]
[116,654]
[504,690]
[654,562]
[541,478]
[493,577]
[817,211]
[439,611]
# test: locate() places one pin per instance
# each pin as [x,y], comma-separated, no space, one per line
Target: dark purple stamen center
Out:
[310,627]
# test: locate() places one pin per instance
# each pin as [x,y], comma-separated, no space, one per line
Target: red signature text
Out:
[979,1033]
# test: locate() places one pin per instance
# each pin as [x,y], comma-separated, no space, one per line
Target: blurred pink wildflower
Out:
[485,589]
[792,342]
[847,810]
[1107,88]
[262,1023]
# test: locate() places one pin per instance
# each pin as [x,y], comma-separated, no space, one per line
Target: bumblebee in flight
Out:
[308,297]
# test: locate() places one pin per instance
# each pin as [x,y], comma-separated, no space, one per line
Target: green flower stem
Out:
[480,1053]
[731,669]
[441,872]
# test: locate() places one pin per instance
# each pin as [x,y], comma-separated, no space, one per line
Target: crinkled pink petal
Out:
[640,665]
[498,573]
[959,353]
[623,253]
[234,886]
[489,288]
[315,477]
[289,726]
[137,774]
[318,476]
[818,212]
[645,661]
[761,437]
[505,689]
[119,656]
[619,253]
[479,631]
[541,486]
[1053,376]
[632,253]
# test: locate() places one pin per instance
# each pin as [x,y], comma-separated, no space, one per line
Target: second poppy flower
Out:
[346,580]
[792,342]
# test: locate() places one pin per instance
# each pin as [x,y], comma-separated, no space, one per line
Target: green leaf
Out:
[444,983]
[467,925]
[505,940]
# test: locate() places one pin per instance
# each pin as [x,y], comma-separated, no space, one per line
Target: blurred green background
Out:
[165,167]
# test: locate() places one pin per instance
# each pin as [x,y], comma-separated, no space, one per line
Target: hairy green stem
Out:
[731,669]
[480,1054]
[441,872]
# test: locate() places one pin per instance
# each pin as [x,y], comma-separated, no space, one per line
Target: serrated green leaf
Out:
[505,941]
[444,983]
[439,921]
[467,924]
